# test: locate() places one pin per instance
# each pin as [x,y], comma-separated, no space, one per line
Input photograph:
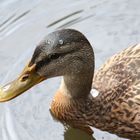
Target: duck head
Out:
[64,52]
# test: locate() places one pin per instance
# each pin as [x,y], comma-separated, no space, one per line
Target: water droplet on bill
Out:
[6,88]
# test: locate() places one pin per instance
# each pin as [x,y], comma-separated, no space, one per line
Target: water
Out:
[110,26]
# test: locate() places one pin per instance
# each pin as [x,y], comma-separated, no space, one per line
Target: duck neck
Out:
[78,85]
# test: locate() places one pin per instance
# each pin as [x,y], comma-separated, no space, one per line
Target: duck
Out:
[116,84]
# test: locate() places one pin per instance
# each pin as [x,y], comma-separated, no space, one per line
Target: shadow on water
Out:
[76,134]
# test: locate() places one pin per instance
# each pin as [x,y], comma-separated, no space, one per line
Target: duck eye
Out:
[54,56]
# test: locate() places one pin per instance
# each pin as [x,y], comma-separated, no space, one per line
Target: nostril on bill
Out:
[24,77]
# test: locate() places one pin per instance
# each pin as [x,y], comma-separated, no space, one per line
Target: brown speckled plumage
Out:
[117,108]
[69,54]
[118,82]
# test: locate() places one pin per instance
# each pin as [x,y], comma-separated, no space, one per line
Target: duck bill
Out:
[27,79]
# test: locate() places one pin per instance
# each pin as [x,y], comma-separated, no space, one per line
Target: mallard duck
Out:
[68,53]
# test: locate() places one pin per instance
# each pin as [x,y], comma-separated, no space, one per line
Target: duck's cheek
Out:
[51,71]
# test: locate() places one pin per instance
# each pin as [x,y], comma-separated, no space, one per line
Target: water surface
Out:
[109,25]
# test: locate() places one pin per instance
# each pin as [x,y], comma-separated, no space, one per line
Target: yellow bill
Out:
[26,80]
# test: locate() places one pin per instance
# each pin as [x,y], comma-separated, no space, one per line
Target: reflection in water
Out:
[65,17]
[73,133]
[76,134]
[11,20]
[74,21]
